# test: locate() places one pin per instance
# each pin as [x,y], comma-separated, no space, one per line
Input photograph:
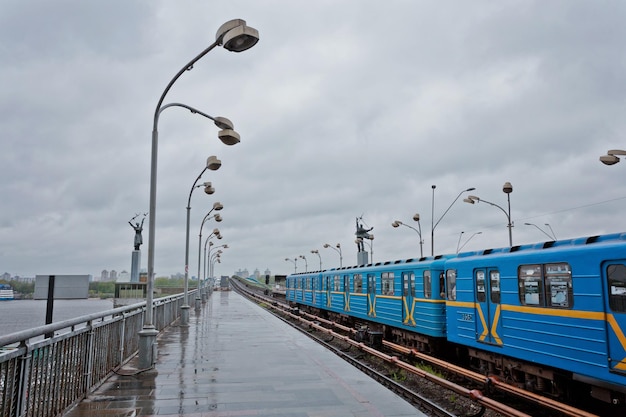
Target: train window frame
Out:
[346,283]
[308,283]
[559,288]
[495,293]
[386,283]
[358,283]
[481,279]
[336,283]
[428,284]
[451,284]
[617,293]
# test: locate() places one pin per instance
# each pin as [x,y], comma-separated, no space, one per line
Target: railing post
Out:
[89,357]
[23,381]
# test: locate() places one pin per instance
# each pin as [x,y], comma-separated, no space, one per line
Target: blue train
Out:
[549,317]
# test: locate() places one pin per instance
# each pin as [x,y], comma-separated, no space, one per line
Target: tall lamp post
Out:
[306,265]
[234,36]
[433,226]
[315,251]
[338,250]
[416,217]
[295,264]
[507,188]
[213,164]
[458,248]
[541,230]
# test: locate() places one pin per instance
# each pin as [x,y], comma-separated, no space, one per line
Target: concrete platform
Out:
[236,359]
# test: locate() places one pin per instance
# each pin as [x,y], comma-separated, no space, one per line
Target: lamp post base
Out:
[147,347]
[184,315]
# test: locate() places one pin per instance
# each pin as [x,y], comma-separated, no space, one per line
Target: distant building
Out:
[124,276]
[243,273]
[104,275]
[6,276]
[113,275]
[268,272]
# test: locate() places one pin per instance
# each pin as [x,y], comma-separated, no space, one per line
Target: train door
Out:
[314,290]
[346,292]
[615,306]
[371,295]
[329,287]
[408,295]
[488,323]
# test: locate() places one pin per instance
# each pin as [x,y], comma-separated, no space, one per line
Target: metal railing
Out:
[41,377]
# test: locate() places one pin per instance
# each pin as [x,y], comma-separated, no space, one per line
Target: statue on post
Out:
[138,229]
[362,233]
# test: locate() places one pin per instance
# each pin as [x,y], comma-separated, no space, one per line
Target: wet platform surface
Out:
[236,359]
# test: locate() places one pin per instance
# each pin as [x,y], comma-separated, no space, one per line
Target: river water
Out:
[17,315]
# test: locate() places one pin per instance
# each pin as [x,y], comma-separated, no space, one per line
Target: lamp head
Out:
[396,223]
[218,218]
[235,36]
[507,188]
[208,188]
[470,189]
[213,163]
[338,245]
[326,245]
[223,123]
[469,200]
[229,137]
[416,217]
[609,159]
[217,206]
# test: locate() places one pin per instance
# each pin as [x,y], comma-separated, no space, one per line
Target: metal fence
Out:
[42,377]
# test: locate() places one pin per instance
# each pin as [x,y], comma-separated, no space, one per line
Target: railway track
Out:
[449,391]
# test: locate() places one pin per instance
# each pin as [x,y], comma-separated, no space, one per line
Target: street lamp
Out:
[315,251]
[507,188]
[212,164]
[306,265]
[552,237]
[234,36]
[217,206]
[612,156]
[458,249]
[416,217]
[338,250]
[433,226]
[212,259]
[295,263]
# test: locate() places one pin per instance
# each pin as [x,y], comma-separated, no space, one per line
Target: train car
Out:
[404,298]
[544,315]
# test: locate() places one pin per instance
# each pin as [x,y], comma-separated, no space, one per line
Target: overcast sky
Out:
[345,109]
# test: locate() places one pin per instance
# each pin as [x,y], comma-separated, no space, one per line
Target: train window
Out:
[387,283]
[530,285]
[547,285]
[451,284]
[428,285]
[358,283]
[480,286]
[336,283]
[308,283]
[559,292]
[327,284]
[494,281]
[616,275]
[346,283]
